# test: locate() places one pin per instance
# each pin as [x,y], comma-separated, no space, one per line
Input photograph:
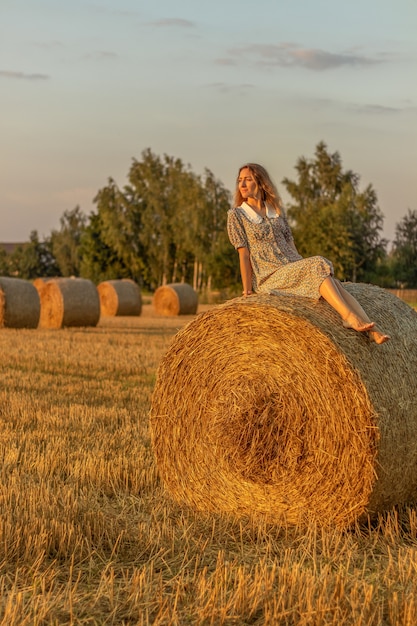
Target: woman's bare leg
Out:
[375,334]
[334,295]
[351,301]
[351,312]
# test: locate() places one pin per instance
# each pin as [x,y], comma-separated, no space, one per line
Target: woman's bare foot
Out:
[377,336]
[355,323]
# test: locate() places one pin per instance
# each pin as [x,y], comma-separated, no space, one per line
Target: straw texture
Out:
[69,302]
[19,304]
[267,405]
[40,283]
[119,297]
[175,299]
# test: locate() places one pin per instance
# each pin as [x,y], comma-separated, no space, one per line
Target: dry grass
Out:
[88,535]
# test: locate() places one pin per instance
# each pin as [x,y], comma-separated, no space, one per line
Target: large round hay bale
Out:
[19,303]
[175,299]
[69,302]
[119,297]
[268,405]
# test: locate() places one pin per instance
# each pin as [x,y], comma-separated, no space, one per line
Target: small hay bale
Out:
[40,283]
[119,297]
[175,299]
[69,302]
[19,303]
[267,405]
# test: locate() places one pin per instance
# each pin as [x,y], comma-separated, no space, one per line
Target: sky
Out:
[87,86]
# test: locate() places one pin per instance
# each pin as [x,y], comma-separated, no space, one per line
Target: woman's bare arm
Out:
[246,271]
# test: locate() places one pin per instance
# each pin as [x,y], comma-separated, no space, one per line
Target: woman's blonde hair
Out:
[263,180]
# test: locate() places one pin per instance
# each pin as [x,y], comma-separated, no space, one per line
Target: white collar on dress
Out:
[253,216]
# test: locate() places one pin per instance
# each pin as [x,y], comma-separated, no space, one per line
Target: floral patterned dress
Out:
[277,266]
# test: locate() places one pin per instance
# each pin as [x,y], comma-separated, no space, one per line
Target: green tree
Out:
[404,252]
[65,242]
[98,260]
[186,201]
[119,223]
[165,225]
[4,263]
[330,216]
[153,191]
[214,255]
[33,259]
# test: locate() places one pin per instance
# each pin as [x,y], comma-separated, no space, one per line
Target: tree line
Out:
[168,224]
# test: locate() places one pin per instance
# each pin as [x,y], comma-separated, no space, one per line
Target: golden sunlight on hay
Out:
[175,299]
[69,302]
[268,405]
[40,283]
[119,297]
[19,304]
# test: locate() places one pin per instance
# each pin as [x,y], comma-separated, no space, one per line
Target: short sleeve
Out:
[236,230]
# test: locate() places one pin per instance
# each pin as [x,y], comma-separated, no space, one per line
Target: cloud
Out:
[357,108]
[292,55]
[173,21]
[380,109]
[23,75]
[375,109]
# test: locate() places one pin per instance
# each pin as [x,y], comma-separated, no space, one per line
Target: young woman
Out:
[269,260]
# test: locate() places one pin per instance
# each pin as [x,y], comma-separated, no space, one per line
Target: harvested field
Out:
[88,535]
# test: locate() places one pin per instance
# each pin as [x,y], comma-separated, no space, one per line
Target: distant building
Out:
[10,247]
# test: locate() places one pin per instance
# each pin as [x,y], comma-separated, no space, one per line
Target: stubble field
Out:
[88,536]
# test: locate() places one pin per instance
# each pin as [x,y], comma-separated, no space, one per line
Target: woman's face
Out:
[247,185]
